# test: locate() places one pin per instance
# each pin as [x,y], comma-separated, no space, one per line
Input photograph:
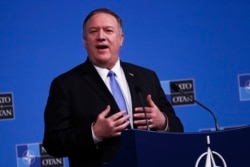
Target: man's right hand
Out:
[106,127]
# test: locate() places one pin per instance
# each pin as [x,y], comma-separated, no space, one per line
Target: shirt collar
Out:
[103,72]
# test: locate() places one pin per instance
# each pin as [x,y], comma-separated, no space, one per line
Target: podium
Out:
[227,148]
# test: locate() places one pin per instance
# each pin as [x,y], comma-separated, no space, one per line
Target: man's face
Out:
[103,39]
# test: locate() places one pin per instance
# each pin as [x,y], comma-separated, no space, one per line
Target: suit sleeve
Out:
[174,123]
[62,137]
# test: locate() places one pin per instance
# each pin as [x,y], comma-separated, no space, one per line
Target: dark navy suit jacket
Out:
[75,100]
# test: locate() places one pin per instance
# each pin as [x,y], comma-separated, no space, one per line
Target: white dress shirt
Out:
[121,79]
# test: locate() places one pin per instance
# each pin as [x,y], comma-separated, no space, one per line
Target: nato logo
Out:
[210,158]
[177,98]
[244,86]
[34,155]
[6,106]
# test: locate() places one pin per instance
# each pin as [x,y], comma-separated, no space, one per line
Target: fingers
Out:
[106,127]
[148,109]
[118,115]
[140,122]
[144,124]
[150,101]
[105,112]
[121,127]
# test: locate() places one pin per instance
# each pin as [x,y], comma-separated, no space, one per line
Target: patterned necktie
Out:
[116,91]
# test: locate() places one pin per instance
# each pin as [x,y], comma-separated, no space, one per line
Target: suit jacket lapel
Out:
[91,76]
[131,79]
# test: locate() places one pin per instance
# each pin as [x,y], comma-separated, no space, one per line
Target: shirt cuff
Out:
[96,140]
[167,127]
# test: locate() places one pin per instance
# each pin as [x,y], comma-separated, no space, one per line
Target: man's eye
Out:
[92,30]
[109,30]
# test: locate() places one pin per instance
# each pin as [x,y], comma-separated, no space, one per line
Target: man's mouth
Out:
[102,46]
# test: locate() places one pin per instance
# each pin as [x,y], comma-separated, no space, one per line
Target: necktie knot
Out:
[111,73]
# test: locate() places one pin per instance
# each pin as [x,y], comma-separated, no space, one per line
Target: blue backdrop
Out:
[205,41]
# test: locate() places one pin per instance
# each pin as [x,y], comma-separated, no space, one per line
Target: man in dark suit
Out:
[82,119]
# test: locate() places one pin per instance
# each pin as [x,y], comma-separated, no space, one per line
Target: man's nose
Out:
[101,36]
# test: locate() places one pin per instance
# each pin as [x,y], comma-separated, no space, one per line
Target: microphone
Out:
[176,88]
[138,90]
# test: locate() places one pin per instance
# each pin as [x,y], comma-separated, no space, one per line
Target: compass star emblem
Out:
[247,86]
[29,157]
[210,157]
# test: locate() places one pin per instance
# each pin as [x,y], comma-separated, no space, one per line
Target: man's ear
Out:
[121,39]
[84,41]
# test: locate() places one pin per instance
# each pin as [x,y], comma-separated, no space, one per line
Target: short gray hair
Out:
[101,10]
